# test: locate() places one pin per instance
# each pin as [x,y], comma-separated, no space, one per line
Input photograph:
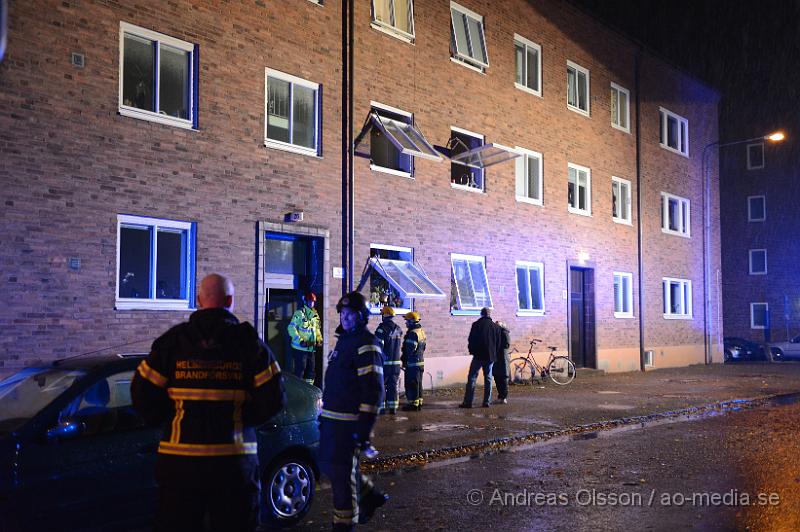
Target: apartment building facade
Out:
[517,155]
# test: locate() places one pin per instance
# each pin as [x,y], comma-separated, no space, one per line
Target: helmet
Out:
[310,296]
[354,301]
[387,311]
[412,316]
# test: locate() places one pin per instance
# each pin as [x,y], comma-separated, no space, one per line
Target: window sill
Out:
[677,316]
[624,315]
[529,90]
[673,150]
[478,69]
[573,210]
[529,313]
[150,304]
[620,128]
[756,167]
[622,222]
[531,201]
[391,171]
[155,117]
[758,327]
[467,188]
[277,145]
[757,220]
[757,273]
[475,312]
[393,32]
[579,111]
[675,233]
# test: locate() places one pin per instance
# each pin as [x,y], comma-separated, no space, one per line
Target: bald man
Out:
[209,382]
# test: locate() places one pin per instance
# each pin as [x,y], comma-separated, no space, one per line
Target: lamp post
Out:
[773,137]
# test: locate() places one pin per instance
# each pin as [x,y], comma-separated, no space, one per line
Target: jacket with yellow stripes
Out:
[210,381]
[414,343]
[354,380]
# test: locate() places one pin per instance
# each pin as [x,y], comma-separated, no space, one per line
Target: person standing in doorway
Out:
[413,361]
[304,330]
[500,369]
[390,335]
[484,339]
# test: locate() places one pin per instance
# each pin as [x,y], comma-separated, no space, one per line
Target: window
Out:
[463,176]
[623,295]
[620,113]
[759,315]
[758,262]
[674,132]
[157,78]
[395,279]
[381,292]
[292,113]
[675,215]
[756,208]
[529,176]
[621,200]
[467,43]
[677,298]
[155,263]
[527,56]
[530,288]
[755,156]
[579,190]
[469,287]
[394,16]
[577,88]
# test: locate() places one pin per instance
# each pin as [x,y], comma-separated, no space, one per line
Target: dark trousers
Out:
[339,461]
[391,377]
[413,382]
[500,372]
[304,364]
[475,366]
[182,509]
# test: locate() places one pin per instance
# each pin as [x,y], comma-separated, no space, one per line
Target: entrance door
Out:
[582,326]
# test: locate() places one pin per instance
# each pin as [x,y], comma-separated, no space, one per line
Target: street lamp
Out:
[777,136]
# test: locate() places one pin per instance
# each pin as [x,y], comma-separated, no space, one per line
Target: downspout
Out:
[350,149]
[639,217]
[347,153]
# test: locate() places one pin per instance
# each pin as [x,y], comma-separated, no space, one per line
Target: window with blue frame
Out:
[155,263]
[292,113]
[158,77]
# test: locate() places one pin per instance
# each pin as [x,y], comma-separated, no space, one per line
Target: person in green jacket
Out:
[306,336]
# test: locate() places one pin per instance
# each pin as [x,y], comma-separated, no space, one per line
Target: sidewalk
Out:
[590,398]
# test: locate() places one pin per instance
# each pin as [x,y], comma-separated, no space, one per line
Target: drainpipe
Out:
[350,149]
[347,145]
[639,217]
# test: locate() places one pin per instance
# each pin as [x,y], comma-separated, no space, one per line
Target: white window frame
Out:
[627,200]
[461,58]
[753,315]
[621,91]
[377,106]
[576,210]
[750,164]
[160,38]
[521,165]
[127,303]
[685,205]
[627,297]
[388,28]
[750,261]
[528,267]
[288,146]
[519,39]
[467,188]
[750,217]
[401,249]
[686,296]
[579,69]
[469,311]
[683,131]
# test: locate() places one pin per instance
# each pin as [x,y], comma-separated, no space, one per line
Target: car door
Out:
[793,348]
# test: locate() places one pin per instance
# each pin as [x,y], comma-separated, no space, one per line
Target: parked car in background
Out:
[741,350]
[75,455]
[785,350]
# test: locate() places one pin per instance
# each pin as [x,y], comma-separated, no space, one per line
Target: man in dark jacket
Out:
[484,339]
[389,336]
[210,381]
[500,369]
[352,394]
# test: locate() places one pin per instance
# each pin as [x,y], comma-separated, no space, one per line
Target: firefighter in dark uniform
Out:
[352,394]
[210,381]
[390,336]
[413,361]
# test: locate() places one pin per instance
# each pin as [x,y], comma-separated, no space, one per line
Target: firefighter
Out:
[352,394]
[413,361]
[304,330]
[210,382]
[390,335]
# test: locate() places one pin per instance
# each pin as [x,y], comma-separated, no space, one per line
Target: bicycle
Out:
[559,368]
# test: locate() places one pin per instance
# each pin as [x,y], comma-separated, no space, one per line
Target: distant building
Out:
[518,155]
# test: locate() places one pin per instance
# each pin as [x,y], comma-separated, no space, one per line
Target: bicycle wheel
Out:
[561,370]
[521,371]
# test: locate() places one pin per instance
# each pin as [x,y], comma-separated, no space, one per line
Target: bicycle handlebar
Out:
[535,341]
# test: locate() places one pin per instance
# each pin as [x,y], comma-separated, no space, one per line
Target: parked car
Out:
[785,350]
[75,455]
[741,350]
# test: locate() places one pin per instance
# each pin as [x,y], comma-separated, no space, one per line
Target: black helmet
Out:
[357,302]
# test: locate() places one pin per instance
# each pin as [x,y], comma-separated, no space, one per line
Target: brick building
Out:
[142,147]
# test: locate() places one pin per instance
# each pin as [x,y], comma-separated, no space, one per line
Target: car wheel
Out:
[727,357]
[287,490]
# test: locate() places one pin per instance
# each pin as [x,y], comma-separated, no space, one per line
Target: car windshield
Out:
[27,392]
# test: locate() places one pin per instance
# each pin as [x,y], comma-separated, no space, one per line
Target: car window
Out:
[25,393]
[105,406]
[796,340]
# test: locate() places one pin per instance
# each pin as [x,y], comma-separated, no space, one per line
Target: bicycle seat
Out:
[552,347]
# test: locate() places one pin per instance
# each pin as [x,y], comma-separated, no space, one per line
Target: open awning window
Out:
[406,138]
[407,277]
[484,155]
